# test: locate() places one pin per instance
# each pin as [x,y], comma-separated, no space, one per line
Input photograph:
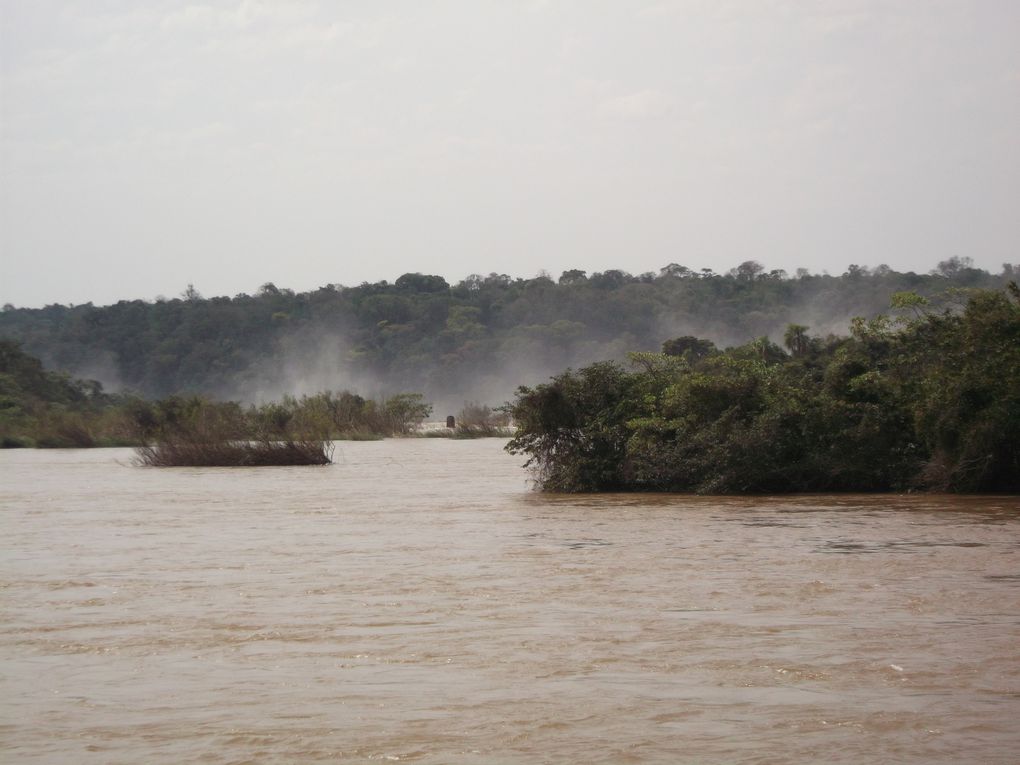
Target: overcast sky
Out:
[146,145]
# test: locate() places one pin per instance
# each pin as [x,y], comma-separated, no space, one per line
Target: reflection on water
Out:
[417,602]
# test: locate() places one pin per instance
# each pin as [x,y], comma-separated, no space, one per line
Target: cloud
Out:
[647,104]
[218,15]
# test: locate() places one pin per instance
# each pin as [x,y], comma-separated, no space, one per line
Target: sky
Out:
[145,146]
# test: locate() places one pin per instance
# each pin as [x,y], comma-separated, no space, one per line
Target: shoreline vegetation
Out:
[43,409]
[928,401]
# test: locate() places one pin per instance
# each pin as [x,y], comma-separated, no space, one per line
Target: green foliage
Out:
[420,333]
[689,347]
[796,339]
[48,409]
[194,432]
[406,411]
[45,409]
[966,397]
[574,428]
[933,404]
[478,421]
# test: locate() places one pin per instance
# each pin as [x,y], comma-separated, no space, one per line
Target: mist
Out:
[474,341]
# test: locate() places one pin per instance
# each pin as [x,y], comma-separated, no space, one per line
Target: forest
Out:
[926,401]
[475,340]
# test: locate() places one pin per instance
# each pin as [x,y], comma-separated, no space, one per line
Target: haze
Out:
[146,146]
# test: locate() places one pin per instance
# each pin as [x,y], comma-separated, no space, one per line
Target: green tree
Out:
[796,339]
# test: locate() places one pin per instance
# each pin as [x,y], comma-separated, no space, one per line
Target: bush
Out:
[193,432]
[479,421]
[184,452]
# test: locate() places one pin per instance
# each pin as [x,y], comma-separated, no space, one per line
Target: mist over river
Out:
[417,601]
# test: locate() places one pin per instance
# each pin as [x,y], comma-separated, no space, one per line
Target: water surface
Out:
[418,602]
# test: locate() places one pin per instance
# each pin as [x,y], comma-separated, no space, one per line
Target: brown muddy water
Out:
[418,602]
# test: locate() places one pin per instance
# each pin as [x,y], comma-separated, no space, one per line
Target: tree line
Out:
[473,340]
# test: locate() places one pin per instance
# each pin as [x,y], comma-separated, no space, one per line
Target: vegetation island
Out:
[930,402]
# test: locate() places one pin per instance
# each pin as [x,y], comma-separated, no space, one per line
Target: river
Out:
[418,602]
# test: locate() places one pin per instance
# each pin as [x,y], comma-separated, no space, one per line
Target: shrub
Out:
[179,451]
[479,421]
[194,432]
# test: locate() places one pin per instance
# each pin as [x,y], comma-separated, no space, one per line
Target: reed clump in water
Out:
[199,433]
[184,452]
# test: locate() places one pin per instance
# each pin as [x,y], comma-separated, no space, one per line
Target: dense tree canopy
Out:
[929,401]
[475,340]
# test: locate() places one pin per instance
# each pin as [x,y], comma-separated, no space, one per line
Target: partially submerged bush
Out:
[342,415]
[194,432]
[479,421]
[183,452]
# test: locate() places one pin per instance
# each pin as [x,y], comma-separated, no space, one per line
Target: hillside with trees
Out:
[52,410]
[474,340]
